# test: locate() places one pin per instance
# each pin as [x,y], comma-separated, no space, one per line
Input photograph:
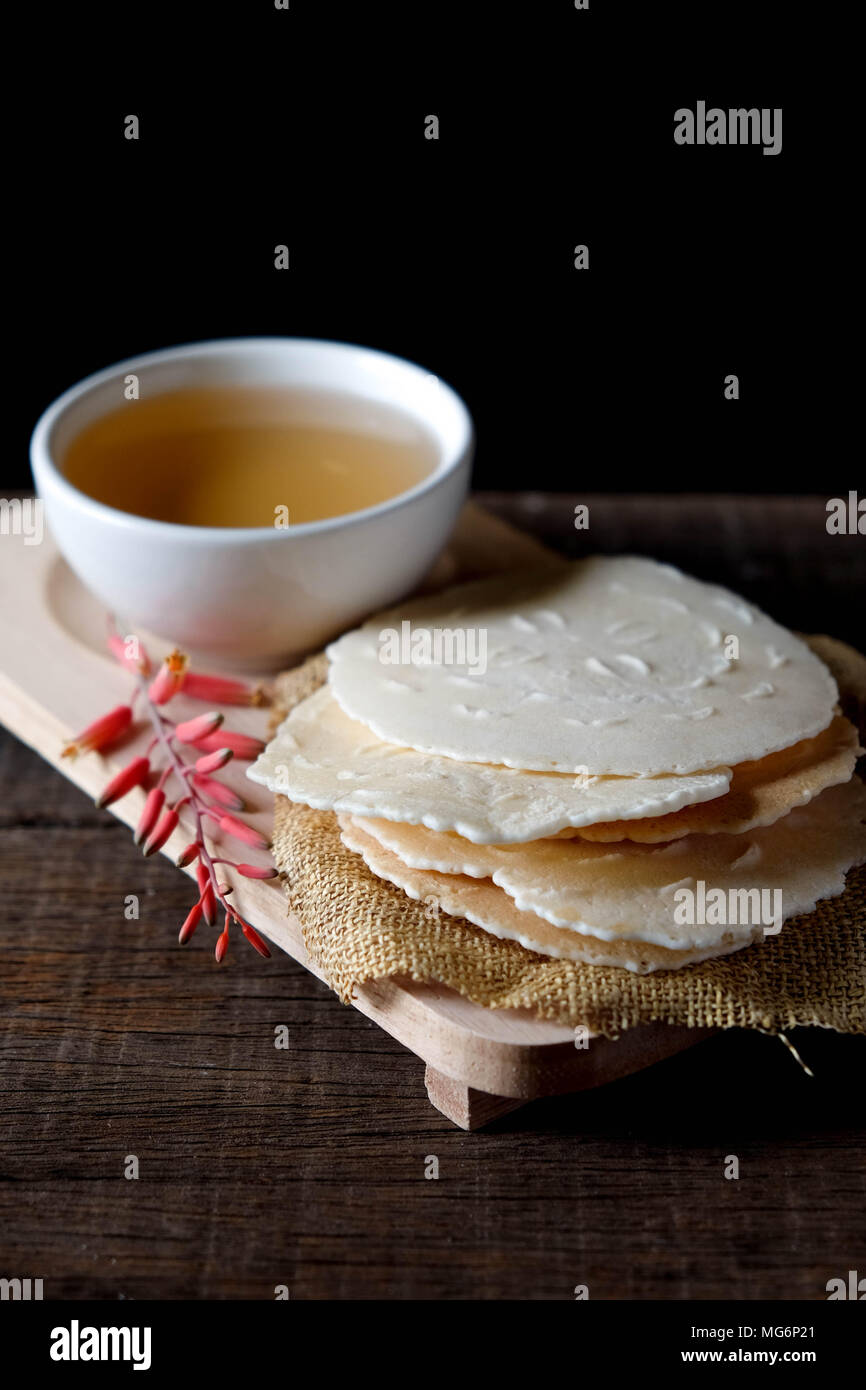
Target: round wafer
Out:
[614,666]
[484,905]
[321,757]
[637,892]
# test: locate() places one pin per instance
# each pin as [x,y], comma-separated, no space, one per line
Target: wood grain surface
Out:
[306,1166]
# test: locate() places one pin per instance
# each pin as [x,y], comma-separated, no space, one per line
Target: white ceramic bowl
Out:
[255,597]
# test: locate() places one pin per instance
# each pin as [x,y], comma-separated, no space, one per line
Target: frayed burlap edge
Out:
[358,928]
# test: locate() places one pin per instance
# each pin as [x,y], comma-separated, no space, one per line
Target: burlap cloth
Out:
[358,928]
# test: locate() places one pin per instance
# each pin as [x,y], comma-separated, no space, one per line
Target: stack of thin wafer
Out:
[607,761]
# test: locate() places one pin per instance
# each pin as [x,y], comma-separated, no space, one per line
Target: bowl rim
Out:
[43,464]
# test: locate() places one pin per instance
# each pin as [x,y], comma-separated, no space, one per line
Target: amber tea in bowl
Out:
[249,456]
[249,499]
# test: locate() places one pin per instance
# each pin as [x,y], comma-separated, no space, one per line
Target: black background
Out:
[306,127]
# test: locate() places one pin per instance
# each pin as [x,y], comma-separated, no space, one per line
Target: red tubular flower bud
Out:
[191,730]
[254,939]
[221,690]
[152,807]
[190,924]
[222,944]
[242,745]
[101,732]
[208,900]
[212,762]
[219,792]
[241,831]
[135,774]
[163,831]
[169,678]
[187,855]
[254,871]
[124,650]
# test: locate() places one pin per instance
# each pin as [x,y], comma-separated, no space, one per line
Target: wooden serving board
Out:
[56,677]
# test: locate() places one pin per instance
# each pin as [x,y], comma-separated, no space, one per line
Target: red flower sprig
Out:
[196,789]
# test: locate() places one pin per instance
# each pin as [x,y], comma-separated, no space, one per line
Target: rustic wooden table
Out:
[306,1166]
